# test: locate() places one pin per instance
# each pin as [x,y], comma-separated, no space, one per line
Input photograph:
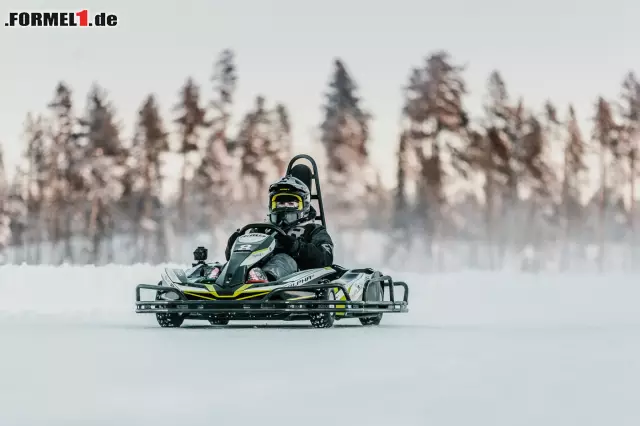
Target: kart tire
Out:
[168,320]
[324,319]
[374,293]
[218,321]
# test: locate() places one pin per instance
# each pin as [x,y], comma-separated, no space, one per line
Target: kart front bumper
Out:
[267,307]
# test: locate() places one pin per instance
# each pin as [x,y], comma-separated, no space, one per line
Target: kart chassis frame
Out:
[265,307]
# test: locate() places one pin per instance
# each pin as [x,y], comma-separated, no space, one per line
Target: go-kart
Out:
[321,295]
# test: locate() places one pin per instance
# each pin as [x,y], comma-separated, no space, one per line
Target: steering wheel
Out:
[262,225]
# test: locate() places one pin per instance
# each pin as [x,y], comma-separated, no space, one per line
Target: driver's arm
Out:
[318,252]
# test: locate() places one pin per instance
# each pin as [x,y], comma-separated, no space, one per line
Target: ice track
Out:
[476,349]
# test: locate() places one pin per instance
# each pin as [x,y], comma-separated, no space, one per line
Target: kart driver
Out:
[307,244]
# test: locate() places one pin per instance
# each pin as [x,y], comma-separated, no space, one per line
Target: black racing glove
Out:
[288,243]
[232,239]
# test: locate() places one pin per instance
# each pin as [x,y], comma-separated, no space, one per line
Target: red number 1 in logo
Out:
[84,17]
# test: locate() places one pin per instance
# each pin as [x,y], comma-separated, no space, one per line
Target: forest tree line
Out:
[518,178]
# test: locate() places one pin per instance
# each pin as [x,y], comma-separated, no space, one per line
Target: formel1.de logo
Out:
[81,18]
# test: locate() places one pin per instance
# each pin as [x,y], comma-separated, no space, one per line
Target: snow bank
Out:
[72,289]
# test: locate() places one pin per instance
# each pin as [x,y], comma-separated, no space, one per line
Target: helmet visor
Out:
[286,218]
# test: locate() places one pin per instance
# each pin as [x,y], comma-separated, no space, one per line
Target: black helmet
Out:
[289,201]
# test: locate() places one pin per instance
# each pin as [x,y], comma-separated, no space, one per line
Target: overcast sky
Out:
[570,50]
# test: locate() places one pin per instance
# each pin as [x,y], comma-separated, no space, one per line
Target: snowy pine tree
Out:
[191,125]
[351,180]
[36,189]
[5,214]
[281,146]
[214,179]
[255,139]
[65,183]
[630,100]
[103,169]
[573,183]
[400,242]
[150,142]
[436,123]
[225,81]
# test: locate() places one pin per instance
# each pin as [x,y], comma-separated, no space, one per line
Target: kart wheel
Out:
[374,294]
[218,321]
[168,320]
[324,319]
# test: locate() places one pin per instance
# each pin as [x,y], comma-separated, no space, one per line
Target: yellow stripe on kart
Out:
[200,295]
[253,295]
[302,297]
[344,297]
[238,292]
[244,290]
[212,294]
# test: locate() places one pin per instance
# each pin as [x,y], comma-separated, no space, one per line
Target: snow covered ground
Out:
[476,349]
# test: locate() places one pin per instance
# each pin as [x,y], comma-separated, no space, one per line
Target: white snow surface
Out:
[476,349]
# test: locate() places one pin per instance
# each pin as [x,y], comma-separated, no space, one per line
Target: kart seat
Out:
[304,173]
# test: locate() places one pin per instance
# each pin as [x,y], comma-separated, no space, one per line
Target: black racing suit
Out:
[313,248]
